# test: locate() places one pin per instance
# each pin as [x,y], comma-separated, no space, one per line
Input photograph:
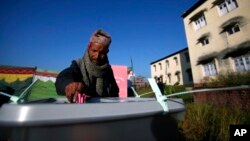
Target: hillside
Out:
[42,90]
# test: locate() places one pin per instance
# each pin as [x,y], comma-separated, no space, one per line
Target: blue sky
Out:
[50,34]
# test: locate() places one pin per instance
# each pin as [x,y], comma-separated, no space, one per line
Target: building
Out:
[218,37]
[45,75]
[173,69]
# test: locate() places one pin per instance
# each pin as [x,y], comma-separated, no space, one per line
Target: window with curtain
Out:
[209,69]
[242,63]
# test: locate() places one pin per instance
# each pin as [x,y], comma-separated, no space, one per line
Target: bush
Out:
[207,122]
[169,89]
[229,79]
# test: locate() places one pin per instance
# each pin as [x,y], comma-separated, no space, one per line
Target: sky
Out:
[49,34]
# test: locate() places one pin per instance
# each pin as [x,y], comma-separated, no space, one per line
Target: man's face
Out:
[97,53]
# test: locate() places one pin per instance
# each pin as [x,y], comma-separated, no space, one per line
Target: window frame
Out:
[232,29]
[226,6]
[155,67]
[209,69]
[199,22]
[242,63]
[187,57]
[160,66]
[169,78]
[167,64]
[189,74]
[204,41]
[176,61]
[177,74]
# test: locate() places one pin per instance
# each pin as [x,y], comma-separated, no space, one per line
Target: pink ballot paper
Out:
[81,98]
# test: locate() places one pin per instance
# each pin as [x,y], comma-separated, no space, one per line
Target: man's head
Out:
[158,79]
[98,47]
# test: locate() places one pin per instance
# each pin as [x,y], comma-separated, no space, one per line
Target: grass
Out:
[228,79]
[204,121]
[144,90]
[42,90]
[207,122]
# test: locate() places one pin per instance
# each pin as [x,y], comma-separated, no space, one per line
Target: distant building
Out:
[140,82]
[218,37]
[45,75]
[173,69]
[11,74]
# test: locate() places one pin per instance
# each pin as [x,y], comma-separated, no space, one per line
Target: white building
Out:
[218,37]
[173,69]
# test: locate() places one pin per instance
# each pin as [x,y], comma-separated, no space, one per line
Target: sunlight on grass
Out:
[42,90]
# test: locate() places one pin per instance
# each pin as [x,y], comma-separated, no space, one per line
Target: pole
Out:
[132,68]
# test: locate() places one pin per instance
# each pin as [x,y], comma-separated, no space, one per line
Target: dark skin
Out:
[98,53]
[98,56]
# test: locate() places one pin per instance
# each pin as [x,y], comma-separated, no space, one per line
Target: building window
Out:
[167,64]
[242,63]
[155,78]
[232,29]
[169,78]
[178,76]
[155,67]
[226,6]
[204,41]
[187,57]
[160,66]
[199,22]
[189,74]
[161,78]
[176,61]
[210,69]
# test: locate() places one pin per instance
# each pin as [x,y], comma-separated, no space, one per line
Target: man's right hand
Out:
[71,90]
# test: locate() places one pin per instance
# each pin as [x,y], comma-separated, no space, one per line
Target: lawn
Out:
[41,90]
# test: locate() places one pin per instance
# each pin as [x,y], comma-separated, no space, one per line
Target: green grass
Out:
[144,90]
[208,122]
[228,79]
[42,90]
[203,121]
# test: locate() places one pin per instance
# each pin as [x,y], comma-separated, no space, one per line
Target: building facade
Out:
[173,69]
[218,37]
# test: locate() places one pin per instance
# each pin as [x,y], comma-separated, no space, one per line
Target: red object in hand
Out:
[71,90]
[81,98]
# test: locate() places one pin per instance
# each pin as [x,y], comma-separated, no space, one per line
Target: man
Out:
[92,74]
[160,85]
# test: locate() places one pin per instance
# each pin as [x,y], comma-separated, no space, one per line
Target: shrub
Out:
[228,79]
[207,122]
[169,89]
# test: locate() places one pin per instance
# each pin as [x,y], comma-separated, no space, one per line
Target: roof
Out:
[191,9]
[169,55]
[4,69]
[47,74]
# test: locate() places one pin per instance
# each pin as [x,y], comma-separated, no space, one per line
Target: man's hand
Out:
[71,90]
